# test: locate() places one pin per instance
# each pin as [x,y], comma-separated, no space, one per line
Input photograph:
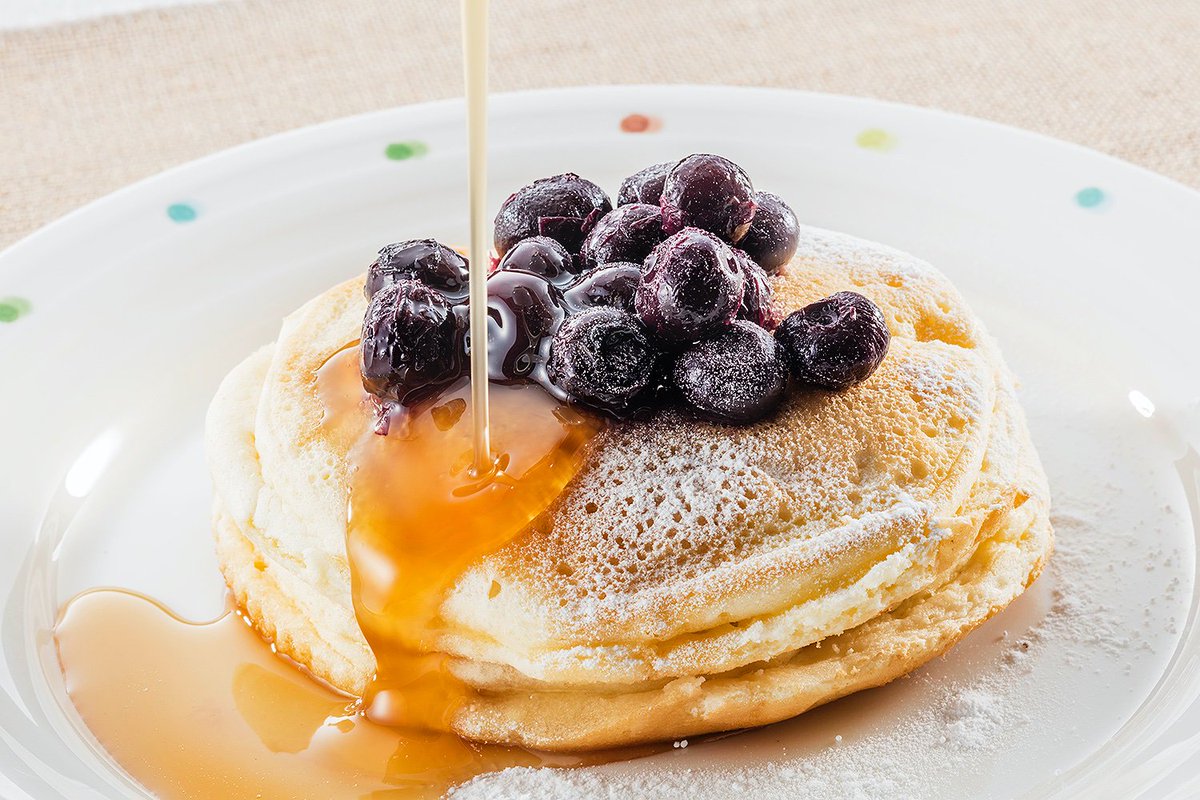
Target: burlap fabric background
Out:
[90,107]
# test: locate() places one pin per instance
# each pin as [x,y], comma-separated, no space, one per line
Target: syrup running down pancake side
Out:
[220,715]
[420,515]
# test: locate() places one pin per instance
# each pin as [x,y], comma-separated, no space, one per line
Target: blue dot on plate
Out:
[1091,197]
[181,212]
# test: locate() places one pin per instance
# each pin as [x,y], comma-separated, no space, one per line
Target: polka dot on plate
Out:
[640,123]
[13,308]
[402,151]
[876,139]
[1090,197]
[182,212]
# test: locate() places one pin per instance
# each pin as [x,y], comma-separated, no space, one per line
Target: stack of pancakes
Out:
[694,577]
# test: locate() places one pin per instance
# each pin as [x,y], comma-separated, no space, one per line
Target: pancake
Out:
[693,577]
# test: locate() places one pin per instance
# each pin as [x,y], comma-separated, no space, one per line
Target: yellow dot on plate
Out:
[876,139]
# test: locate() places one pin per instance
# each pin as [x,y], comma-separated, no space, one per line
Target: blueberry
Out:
[540,255]
[602,358]
[425,260]
[739,375]
[611,285]
[774,233]
[627,233]
[836,342]
[709,192]
[644,186]
[691,286]
[410,342]
[563,207]
[757,305]
[524,311]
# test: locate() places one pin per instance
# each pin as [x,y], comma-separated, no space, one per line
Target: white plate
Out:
[1086,268]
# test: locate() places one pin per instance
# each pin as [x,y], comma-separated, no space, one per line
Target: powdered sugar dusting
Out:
[973,717]
[839,248]
[938,377]
[935,733]
[675,500]
[676,527]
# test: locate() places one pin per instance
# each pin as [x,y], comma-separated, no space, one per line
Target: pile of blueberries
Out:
[666,298]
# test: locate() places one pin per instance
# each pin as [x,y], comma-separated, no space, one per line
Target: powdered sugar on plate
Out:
[976,723]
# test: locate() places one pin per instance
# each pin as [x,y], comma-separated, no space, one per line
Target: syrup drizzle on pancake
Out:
[219,715]
[420,515]
[475,74]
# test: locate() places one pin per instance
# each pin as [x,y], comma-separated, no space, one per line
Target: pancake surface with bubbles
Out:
[693,577]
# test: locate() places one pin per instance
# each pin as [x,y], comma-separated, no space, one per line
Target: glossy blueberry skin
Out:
[645,185]
[602,357]
[425,260]
[709,192]
[691,287]
[411,343]
[835,343]
[757,298]
[543,256]
[627,233]
[774,233]
[737,376]
[611,285]
[524,311]
[563,207]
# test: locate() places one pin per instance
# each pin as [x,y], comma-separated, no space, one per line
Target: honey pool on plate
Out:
[207,710]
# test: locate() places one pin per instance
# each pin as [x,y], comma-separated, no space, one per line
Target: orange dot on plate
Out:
[640,123]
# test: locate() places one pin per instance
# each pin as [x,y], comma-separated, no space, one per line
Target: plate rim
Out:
[451,104]
[680,95]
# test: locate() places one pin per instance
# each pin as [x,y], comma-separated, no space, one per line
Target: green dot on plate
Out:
[398,151]
[1091,197]
[401,151]
[876,139]
[13,308]
[405,150]
[181,212]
